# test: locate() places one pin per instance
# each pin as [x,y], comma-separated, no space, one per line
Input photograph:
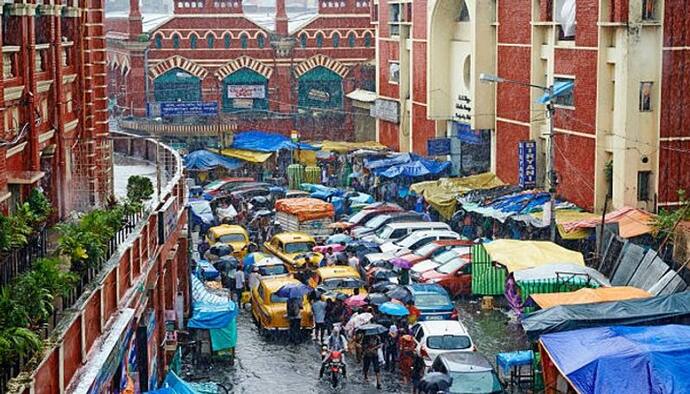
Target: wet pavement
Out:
[272,365]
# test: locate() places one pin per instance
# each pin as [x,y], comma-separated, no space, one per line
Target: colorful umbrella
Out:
[293,290]
[393,309]
[357,320]
[401,263]
[356,301]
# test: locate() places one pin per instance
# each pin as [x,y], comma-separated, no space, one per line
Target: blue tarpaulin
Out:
[173,385]
[559,89]
[621,359]
[203,160]
[210,310]
[383,164]
[416,168]
[263,141]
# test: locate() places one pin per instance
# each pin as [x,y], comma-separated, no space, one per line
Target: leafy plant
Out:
[139,189]
[666,220]
[34,296]
[16,342]
[39,205]
[5,230]
[52,277]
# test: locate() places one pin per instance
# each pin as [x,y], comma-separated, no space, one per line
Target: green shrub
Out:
[139,189]
[39,205]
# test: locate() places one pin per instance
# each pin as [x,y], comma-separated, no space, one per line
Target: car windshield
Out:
[430,300]
[376,221]
[451,266]
[445,257]
[475,382]
[426,249]
[299,247]
[277,299]
[448,342]
[341,283]
[271,270]
[384,232]
[229,238]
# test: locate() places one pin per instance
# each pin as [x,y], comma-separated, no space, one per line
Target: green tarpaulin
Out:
[224,338]
[486,278]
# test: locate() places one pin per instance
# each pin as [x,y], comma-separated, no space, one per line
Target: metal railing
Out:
[20,260]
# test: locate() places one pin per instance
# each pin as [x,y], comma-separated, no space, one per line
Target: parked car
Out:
[433,302]
[471,373]
[441,336]
[270,311]
[295,249]
[235,236]
[454,276]
[395,231]
[376,222]
[366,214]
[434,249]
[416,240]
[224,185]
[436,261]
[339,279]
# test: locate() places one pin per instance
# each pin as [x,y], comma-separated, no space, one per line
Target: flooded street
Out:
[272,365]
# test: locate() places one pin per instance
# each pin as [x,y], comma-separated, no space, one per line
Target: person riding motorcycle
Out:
[336,343]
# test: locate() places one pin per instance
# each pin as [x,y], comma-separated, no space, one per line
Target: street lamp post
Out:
[551,171]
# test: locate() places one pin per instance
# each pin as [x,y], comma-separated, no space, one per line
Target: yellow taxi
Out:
[235,236]
[270,311]
[338,279]
[295,249]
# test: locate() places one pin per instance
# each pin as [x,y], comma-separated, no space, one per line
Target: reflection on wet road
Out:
[272,365]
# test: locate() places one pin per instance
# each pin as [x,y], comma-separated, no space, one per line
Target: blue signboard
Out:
[438,147]
[527,164]
[189,108]
[467,135]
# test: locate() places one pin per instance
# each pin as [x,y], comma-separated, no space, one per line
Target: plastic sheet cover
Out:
[518,255]
[203,160]
[621,359]
[262,141]
[210,310]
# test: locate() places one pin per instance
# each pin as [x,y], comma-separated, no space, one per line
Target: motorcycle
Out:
[334,367]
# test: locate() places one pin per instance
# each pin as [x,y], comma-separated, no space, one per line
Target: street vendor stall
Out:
[306,215]
[443,194]
[588,296]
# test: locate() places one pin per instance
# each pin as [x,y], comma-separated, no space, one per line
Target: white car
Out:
[436,337]
[417,239]
[428,265]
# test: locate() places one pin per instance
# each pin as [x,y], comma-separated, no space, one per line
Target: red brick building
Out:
[622,133]
[279,75]
[54,130]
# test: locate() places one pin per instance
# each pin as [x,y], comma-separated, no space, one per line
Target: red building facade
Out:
[276,78]
[54,129]
[622,135]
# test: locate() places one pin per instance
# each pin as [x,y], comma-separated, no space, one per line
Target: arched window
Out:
[210,40]
[261,41]
[367,40]
[176,40]
[303,40]
[319,40]
[158,41]
[336,40]
[226,40]
[193,41]
[351,40]
[464,14]
[244,41]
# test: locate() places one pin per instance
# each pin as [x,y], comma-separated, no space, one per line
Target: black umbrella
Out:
[226,263]
[383,287]
[434,382]
[377,298]
[399,293]
[381,264]
[372,329]
[221,250]
[384,275]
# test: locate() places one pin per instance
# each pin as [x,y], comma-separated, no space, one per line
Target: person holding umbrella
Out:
[404,265]
[370,349]
[294,292]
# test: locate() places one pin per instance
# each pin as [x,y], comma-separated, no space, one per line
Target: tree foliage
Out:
[666,220]
[139,189]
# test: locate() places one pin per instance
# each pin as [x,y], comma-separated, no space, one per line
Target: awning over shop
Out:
[246,155]
[416,168]
[345,147]
[203,160]
[632,222]
[629,312]
[565,216]
[215,313]
[442,194]
[516,255]
[622,359]
[380,165]
[518,206]
[262,141]
[24,177]
[365,96]
[570,273]
[589,296]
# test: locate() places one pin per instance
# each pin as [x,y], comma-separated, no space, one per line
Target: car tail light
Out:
[454,315]
[423,352]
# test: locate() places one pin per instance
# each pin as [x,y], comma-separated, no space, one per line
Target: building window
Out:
[226,40]
[464,14]
[245,90]
[261,41]
[643,178]
[394,19]
[646,96]
[244,41]
[193,41]
[564,12]
[367,40]
[210,40]
[565,100]
[394,72]
[68,102]
[319,40]
[351,40]
[336,40]
[648,10]
[158,41]
[176,40]
[303,40]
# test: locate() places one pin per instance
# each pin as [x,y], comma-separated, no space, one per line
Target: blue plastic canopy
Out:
[621,359]
[263,141]
[210,310]
[508,360]
[202,160]
[559,89]
[396,159]
[393,309]
[206,270]
[416,168]
[173,385]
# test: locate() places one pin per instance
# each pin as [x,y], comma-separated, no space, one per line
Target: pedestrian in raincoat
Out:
[407,352]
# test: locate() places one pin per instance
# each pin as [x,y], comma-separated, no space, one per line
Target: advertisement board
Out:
[387,110]
[246,91]
[167,219]
[189,108]
[527,164]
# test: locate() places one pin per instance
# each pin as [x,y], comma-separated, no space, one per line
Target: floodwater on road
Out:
[272,365]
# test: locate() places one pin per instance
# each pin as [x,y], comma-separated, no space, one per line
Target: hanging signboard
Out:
[319,95]
[527,164]
[242,103]
[167,219]
[387,110]
[189,108]
[438,146]
[246,91]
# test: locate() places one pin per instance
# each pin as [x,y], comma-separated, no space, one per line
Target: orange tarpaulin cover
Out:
[588,296]
[631,222]
[306,208]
